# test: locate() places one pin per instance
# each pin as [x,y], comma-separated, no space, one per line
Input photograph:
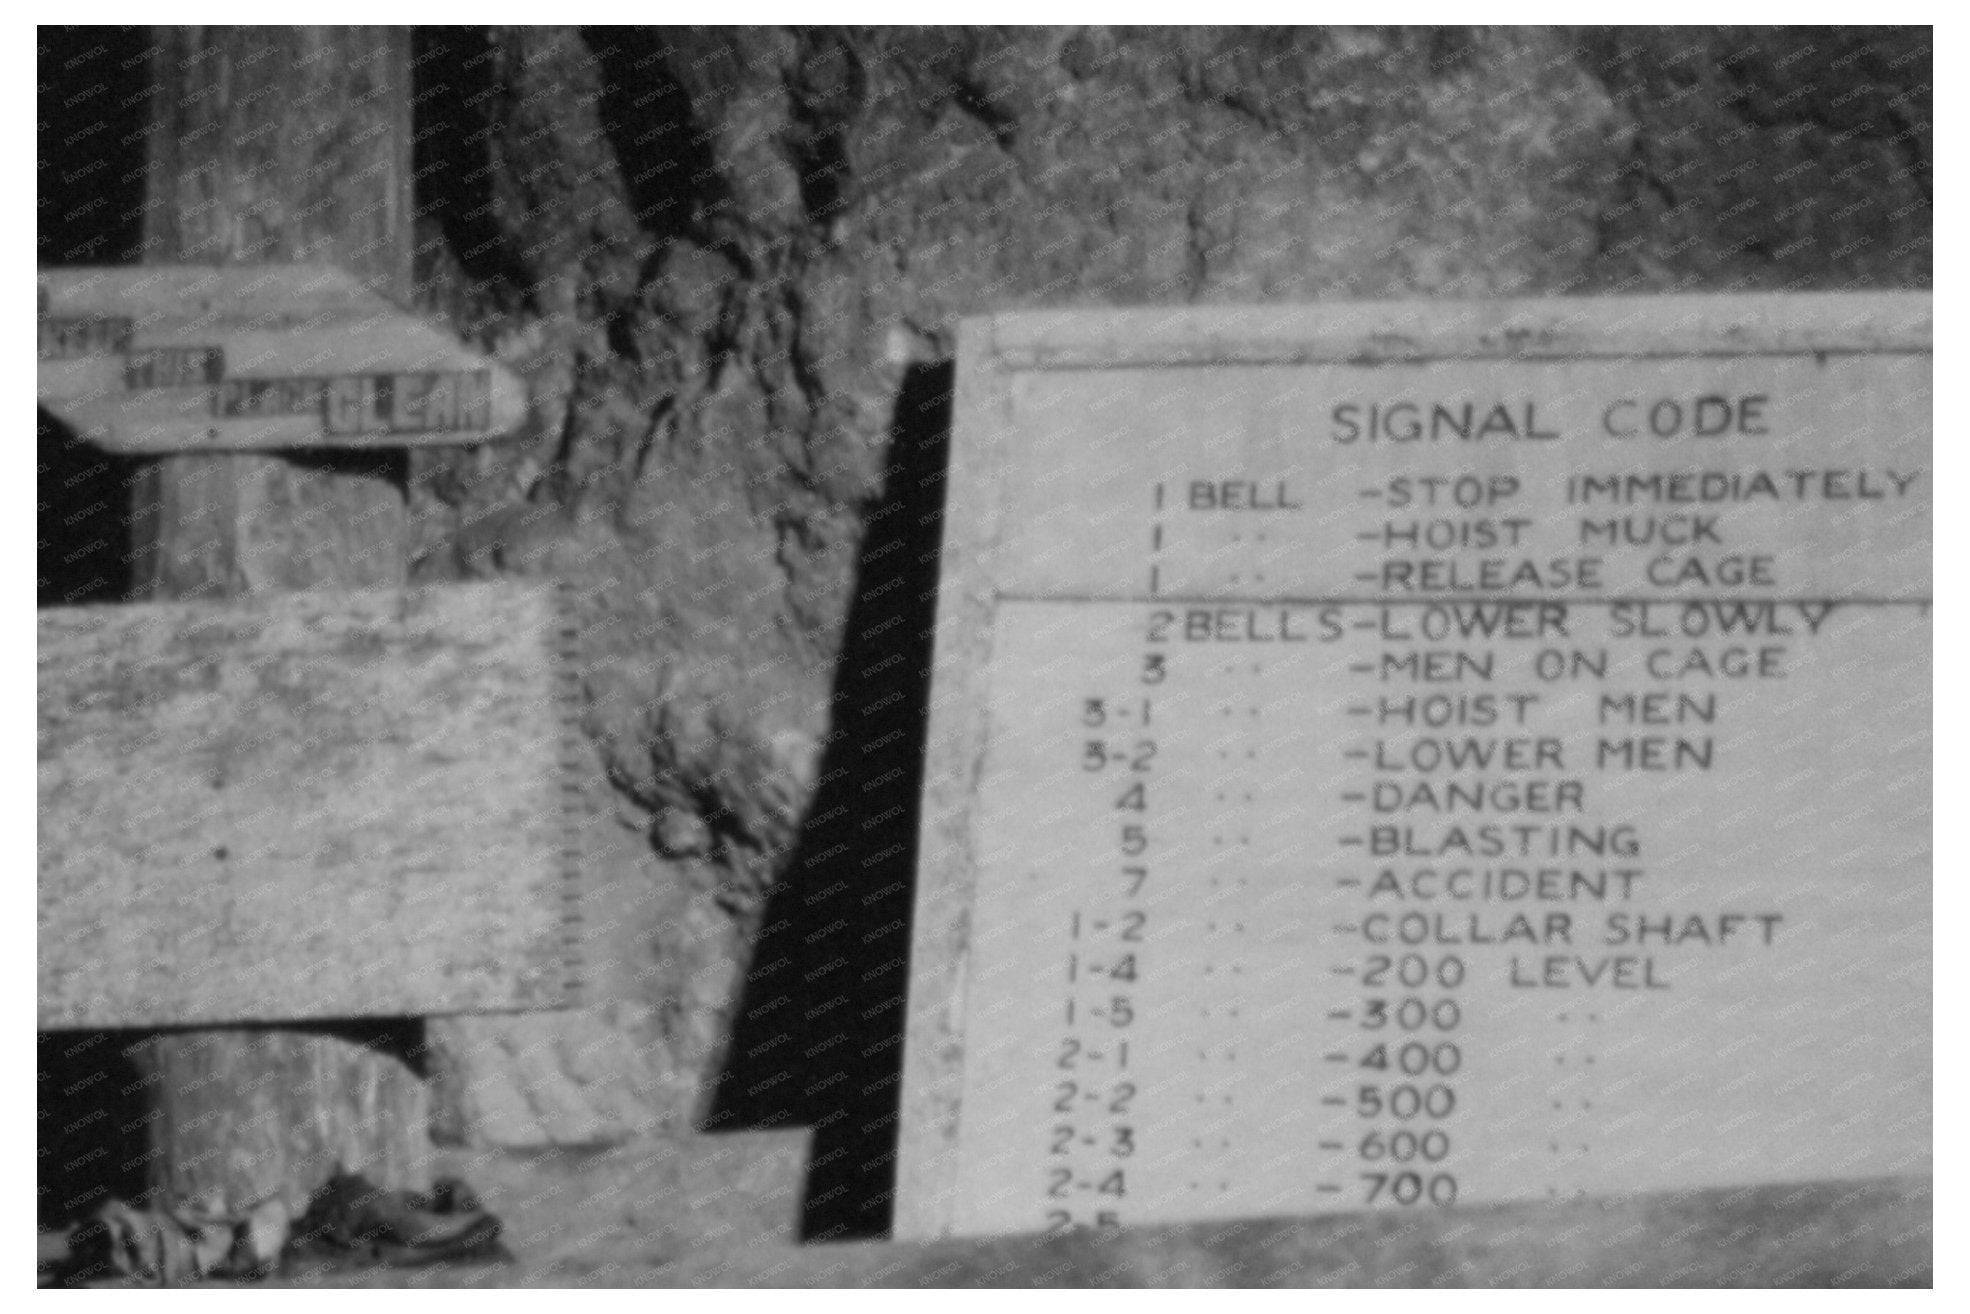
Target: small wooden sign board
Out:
[306,805]
[193,358]
[1414,755]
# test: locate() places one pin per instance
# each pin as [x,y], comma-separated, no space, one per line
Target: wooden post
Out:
[273,144]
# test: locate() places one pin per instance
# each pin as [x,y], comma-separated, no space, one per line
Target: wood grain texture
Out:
[1541,328]
[273,145]
[933,1059]
[317,805]
[282,146]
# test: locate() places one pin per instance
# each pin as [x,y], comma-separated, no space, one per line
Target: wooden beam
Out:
[277,145]
[310,805]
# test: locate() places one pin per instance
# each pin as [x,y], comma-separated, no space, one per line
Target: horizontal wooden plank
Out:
[311,805]
[1531,328]
[147,360]
[172,292]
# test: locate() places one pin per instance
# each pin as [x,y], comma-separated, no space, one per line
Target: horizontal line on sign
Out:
[1015,361]
[1428,600]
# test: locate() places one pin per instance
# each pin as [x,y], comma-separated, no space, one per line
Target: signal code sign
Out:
[1396,757]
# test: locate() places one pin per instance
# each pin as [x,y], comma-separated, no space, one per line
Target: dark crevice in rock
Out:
[969,95]
[827,90]
[664,150]
[1910,144]
[452,87]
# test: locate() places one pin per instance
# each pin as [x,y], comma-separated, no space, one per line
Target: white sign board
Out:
[1395,756]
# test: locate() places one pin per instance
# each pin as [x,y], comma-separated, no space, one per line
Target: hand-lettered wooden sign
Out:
[1413,755]
[307,805]
[194,358]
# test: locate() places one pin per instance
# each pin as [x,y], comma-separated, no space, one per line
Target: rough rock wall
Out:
[729,262]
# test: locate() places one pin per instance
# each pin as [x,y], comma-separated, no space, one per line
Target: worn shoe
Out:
[353,1217]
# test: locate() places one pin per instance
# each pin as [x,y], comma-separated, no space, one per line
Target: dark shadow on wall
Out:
[82,519]
[93,105]
[93,108]
[818,1040]
[91,1112]
[452,160]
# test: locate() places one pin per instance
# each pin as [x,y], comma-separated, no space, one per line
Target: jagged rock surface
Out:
[722,256]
